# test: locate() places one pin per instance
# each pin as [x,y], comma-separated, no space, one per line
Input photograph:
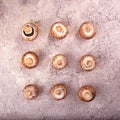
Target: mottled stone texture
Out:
[105,46]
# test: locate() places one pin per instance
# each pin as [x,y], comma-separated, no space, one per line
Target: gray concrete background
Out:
[105,46]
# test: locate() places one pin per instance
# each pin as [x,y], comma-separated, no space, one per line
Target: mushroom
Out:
[30,92]
[58,91]
[59,30]
[86,93]
[30,31]
[87,63]
[59,61]
[30,59]
[87,30]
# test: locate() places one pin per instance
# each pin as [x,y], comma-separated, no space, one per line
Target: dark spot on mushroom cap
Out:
[3,9]
[28,2]
[23,2]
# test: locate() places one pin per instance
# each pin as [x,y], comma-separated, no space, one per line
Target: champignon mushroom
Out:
[30,59]
[86,93]
[59,30]
[59,61]
[58,91]
[87,63]
[87,30]
[30,31]
[30,92]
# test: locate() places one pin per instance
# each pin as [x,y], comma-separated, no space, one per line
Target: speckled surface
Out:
[105,46]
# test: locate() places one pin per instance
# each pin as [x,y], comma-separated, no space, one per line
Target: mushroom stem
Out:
[86,93]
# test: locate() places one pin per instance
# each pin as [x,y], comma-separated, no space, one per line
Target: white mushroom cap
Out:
[58,91]
[30,59]
[87,63]
[30,31]
[87,30]
[30,92]
[59,61]
[59,30]
[86,93]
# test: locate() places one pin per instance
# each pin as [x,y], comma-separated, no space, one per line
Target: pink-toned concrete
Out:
[105,46]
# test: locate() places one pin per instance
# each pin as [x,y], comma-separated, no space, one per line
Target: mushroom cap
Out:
[58,91]
[87,30]
[30,31]
[86,93]
[59,30]
[30,92]
[87,62]
[30,59]
[59,61]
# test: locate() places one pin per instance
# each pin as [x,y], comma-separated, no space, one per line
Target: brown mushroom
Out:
[87,30]
[30,59]
[59,30]
[30,92]
[58,91]
[59,61]
[87,63]
[86,93]
[30,31]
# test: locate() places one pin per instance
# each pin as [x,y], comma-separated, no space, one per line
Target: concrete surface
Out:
[105,46]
